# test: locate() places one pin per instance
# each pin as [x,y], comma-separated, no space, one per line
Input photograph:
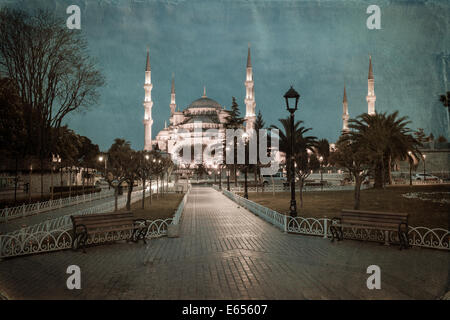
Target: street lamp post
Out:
[424,170]
[105,159]
[228,179]
[321,173]
[410,167]
[292,95]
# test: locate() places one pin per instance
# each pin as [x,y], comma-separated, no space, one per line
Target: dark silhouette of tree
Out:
[66,145]
[355,158]
[284,135]
[259,125]
[323,149]
[234,121]
[305,158]
[445,100]
[386,137]
[51,71]
[13,132]
[120,156]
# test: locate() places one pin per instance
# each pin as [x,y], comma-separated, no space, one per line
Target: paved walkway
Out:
[226,252]
[15,224]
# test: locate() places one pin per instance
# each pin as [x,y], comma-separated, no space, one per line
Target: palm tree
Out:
[303,145]
[387,138]
[284,136]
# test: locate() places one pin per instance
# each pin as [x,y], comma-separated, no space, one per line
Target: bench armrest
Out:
[75,228]
[335,220]
[140,222]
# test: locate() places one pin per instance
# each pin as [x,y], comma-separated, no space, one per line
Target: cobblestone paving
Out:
[226,252]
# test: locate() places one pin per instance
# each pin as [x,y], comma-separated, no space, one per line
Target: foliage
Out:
[385,138]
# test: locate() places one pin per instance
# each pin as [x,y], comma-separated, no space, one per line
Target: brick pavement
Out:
[226,252]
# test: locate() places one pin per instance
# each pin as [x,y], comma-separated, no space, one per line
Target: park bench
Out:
[108,227]
[372,220]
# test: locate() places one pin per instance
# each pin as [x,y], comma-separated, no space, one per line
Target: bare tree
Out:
[51,71]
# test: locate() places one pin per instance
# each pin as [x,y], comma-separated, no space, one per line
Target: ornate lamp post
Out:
[245,136]
[293,96]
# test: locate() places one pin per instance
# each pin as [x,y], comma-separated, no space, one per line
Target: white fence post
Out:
[285,224]
[325,228]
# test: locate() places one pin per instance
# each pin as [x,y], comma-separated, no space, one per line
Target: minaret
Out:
[371,90]
[250,103]
[148,104]
[173,104]
[345,115]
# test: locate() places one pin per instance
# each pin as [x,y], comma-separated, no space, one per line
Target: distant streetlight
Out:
[293,96]
[424,156]
[104,159]
[321,173]
[410,167]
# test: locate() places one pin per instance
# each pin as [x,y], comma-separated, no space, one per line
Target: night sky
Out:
[316,46]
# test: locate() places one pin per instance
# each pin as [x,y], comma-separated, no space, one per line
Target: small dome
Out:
[205,102]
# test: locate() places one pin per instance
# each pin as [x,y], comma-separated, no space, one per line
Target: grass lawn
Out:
[329,203]
[161,208]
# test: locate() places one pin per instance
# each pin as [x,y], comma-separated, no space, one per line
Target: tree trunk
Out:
[51,183]
[42,177]
[130,190]
[378,176]
[151,190]
[143,193]
[389,170]
[301,192]
[157,187]
[61,182]
[116,196]
[16,181]
[70,182]
[83,177]
[357,192]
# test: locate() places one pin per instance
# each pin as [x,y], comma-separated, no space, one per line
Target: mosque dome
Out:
[205,102]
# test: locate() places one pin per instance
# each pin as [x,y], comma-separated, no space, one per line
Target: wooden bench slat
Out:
[371,220]
[114,221]
[374,212]
[96,217]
